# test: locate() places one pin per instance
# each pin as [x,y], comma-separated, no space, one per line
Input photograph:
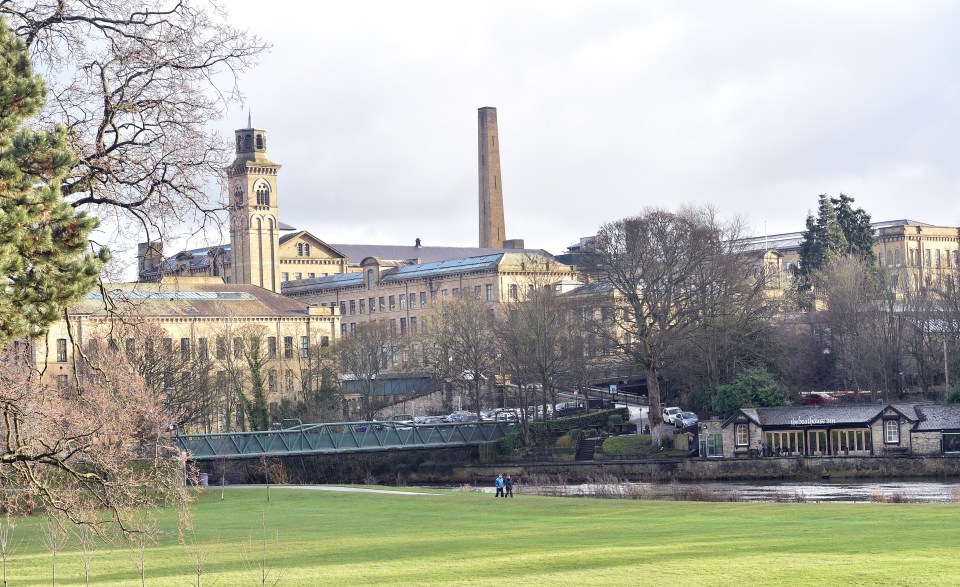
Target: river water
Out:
[919,491]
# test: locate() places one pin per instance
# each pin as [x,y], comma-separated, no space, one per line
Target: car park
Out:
[669,415]
[684,419]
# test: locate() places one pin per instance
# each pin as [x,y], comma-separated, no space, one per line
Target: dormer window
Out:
[370,281]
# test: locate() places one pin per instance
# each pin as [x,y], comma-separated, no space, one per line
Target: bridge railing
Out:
[338,437]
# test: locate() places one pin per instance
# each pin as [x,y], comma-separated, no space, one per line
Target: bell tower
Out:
[254,219]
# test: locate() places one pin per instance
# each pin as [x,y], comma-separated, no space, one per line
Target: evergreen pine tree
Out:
[42,238]
[855,225]
[823,240]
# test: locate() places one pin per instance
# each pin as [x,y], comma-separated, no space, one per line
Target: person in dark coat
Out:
[508,486]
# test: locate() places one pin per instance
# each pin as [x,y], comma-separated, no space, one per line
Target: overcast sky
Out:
[604,108]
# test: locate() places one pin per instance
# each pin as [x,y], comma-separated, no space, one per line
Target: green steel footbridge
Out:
[338,438]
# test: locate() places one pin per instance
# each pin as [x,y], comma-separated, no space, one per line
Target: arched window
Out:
[299,249]
[263,195]
[260,142]
[370,280]
[306,249]
[238,195]
[247,142]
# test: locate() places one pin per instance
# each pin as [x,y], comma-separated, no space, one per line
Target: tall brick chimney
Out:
[492,228]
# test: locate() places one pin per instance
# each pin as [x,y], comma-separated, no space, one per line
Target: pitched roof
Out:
[190,296]
[935,417]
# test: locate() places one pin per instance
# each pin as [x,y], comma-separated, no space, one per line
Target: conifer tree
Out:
[42,238]
[837,231]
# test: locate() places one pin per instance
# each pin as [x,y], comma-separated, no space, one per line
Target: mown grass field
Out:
[461,538]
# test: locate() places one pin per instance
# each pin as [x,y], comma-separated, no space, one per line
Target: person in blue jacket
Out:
[500,486]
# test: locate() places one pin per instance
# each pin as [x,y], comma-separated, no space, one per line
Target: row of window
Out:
[202,350]
[285,276]
[843,440]
[409,301]
[931,258]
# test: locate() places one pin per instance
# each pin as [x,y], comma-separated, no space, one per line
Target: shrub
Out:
[566,441]
[954,396]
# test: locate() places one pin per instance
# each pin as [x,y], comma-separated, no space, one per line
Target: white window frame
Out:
[891,432]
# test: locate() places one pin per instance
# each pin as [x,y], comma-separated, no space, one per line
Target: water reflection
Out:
[809,491]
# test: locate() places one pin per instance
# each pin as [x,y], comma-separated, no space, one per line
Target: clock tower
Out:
[254,220]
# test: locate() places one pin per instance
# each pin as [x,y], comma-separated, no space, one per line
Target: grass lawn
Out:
[457,538]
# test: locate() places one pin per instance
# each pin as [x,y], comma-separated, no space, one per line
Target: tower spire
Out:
[249,117]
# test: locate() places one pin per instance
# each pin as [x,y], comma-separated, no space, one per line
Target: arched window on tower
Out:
[263,195]
[247,142]
[260,142]
[238,196]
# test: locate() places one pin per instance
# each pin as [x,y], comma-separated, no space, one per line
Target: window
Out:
[353,328]
[311,275]
[423,299]
[272,380]
[271,347]
[950,442]
[93,347]
[221,348]
[62,382]
[131,348]
[306,249]
[167,347]
[370,282]
[263,195]
[741,434]
[363,306]
[936,258]
[393,303]
[299,249]
[490,292]
[476,291]
[343,330]
[287,347]
[372,304]
[185,349]
[238,348]
[393,326]
[403,302]
[343,308]
[403,326]
[353,307]
[304,347]
[926,257]
[284,276]
[288,381]
[324,341]
[382,305]
[413,301]
[413,324]
[444,293]
[202,352]
[891,431]
[513,292]
[298,276]
[454,292]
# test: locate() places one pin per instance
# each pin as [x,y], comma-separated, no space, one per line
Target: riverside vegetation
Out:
[308,537]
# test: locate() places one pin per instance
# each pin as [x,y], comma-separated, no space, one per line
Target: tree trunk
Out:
[657,430]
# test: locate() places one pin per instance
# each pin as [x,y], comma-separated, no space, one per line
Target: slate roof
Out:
[792,416]
[935,417]
[792,240]
[186,297]
[424,254]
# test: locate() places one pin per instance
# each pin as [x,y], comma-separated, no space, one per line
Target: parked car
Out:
[684,419]
[669,415]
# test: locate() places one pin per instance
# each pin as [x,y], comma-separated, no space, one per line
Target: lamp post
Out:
[503,382]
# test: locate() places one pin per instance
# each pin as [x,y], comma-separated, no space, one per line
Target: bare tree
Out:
[138,84]
[464,326]
[69,450]
[654,264]
[364,355]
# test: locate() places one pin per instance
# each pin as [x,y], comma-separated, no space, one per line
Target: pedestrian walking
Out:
[500,486]
[508,486]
